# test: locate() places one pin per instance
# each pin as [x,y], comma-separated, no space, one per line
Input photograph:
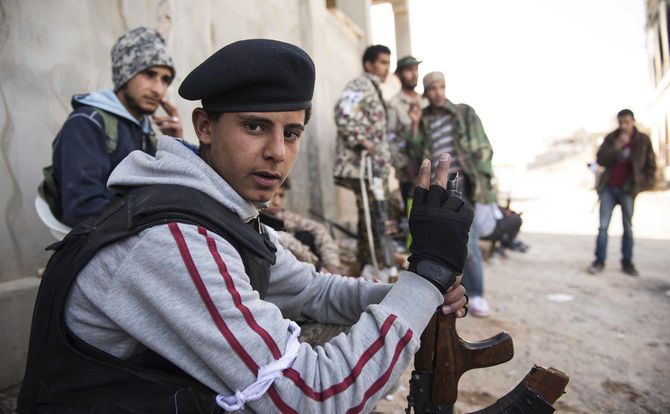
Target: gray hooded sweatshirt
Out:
[182,292]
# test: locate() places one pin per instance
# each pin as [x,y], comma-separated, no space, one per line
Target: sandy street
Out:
[613,339]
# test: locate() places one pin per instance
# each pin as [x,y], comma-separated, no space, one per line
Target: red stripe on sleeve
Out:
[204,295]
[379,383]
[283,407]
[294,375]
[237,300]
[218,320]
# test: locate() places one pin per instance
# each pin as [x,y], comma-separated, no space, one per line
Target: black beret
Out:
[253,75]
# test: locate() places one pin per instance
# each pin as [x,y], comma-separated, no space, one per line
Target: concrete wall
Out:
[16,302]
[50,50]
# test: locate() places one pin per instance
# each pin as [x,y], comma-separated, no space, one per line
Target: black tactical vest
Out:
[66,375]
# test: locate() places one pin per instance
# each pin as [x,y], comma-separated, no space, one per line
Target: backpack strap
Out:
[48,190]
[110,125]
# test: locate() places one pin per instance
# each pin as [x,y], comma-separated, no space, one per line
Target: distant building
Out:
[658,35]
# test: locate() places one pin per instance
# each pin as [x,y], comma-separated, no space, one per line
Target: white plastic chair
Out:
[58,229]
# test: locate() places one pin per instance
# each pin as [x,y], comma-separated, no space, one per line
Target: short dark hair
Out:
[625,112]
[372,53]
[215,115]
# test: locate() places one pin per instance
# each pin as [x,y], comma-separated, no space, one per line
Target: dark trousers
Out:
[610,197]
[507,228]
[473,270]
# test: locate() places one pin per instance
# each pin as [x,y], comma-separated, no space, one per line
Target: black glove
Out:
[439,223]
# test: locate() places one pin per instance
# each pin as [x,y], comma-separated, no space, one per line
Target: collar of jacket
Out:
[374,78]
[448,106]
[176,163]
[459,126]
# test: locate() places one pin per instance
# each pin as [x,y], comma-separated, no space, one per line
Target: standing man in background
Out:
[457,130]
[107,125]
[630,168]
[360,116]
[400,123]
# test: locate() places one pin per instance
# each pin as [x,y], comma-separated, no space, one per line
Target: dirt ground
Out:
[613,339]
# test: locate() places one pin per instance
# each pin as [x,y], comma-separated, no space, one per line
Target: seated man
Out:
[499,225]
[307,239]
[178,299]
[105,126]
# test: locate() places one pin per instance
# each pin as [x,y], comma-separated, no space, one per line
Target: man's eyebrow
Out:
[254,118]
[301,127]
[266,121]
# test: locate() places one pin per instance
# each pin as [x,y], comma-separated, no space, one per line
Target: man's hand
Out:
[455,300]
[622,140]
[415,113]
[170,124]
[439,223]
[369,146]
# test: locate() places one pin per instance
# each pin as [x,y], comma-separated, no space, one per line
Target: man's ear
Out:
[367,66]
[202,125]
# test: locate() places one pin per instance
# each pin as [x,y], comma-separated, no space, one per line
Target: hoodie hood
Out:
[109,102]
[176,163]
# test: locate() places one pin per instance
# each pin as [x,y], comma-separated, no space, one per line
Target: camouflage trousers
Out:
[317,334]
[364,256]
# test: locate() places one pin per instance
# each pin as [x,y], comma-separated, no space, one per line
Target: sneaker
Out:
[519,246]
[479,307]
[596,267]
[629,269]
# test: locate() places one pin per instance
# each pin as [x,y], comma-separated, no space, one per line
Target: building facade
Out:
[658,38]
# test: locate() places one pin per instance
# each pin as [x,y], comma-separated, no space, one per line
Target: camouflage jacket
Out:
[472,147]
[326,247]
[398,126]
[360,114]
[295,246]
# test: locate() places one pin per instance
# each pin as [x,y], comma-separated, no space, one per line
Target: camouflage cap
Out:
[135,51]
[432,78]
[405,62]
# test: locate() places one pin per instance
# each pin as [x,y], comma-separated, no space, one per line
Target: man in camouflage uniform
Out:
[399,124]
[360,116]
[307,239]
[456,129]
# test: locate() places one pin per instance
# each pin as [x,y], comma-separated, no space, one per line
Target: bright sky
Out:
[532,69]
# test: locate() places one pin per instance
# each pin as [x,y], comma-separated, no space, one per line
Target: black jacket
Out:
[82,163]
[642,158]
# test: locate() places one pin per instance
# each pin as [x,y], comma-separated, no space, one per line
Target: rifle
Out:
[444,356]
[376,184]
[335,224]
[441,360]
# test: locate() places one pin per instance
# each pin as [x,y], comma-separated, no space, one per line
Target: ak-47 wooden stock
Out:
[441,360]
[444,356]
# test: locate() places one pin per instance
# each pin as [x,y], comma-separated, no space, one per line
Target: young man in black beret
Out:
[194,311]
